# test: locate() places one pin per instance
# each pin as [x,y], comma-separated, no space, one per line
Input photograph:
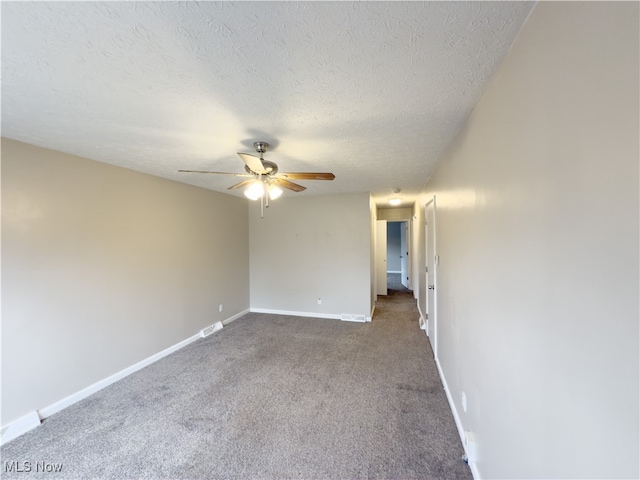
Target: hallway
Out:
[425,399]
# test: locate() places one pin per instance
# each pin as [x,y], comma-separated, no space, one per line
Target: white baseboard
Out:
[19,427]
[32,420]
[235,317]
[472,465]
[373,309]
[334,316]
[99,385]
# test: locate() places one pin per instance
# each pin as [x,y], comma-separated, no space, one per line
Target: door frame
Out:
[381,257]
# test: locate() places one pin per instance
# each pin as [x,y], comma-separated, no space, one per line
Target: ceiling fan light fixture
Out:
[255,190]
[274,191]
[395,201]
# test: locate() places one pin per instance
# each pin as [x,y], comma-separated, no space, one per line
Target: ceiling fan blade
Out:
[254,163]
[240,185]
[287,184]
[217,173]
[307,176]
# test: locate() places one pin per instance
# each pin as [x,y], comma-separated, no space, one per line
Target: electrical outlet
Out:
[319,301]
[220,308]
[464,402]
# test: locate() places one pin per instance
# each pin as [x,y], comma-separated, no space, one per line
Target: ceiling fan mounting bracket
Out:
[260,147]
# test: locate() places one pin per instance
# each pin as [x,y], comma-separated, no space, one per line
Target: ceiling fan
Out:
[264,180]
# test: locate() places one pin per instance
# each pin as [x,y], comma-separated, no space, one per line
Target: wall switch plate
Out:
[220,308]
[319,301]
[464,402]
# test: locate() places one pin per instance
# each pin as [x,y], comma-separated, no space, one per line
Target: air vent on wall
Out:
[205,332]
[347,317]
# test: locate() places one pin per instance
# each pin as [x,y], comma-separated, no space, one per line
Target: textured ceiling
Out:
[371,91]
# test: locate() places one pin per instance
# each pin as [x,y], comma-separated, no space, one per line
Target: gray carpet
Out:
[269,396]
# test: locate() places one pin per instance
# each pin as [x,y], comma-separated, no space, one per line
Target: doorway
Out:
[397,256]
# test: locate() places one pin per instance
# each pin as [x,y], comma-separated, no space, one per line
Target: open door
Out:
[404,254]
[431,266]
[381,257]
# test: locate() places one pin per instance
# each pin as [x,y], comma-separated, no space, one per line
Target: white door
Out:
[414,267]
[431,265]
[404,254]
[381,257]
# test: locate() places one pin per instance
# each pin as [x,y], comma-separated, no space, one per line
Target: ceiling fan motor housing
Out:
[270,167]
[260,147]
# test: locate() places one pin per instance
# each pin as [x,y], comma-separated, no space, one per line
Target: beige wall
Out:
[537,233]
[311,247]
[103,267]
